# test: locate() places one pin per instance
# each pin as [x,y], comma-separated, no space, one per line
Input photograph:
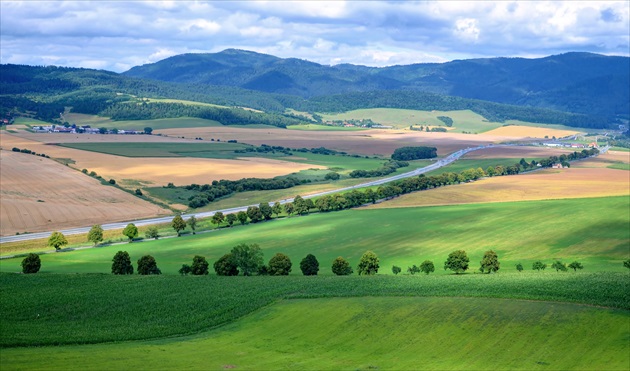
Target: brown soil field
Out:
[529,132]
[128,172]
[605,159]
[367,142]
[39,194]
[541,185]
[516,152]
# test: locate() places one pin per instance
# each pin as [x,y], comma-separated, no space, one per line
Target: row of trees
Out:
[560,266]
[414,153]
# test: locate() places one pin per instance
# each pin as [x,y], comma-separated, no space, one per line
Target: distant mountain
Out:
[574,82]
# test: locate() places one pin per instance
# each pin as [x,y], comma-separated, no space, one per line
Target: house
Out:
[557,166]
[593,145]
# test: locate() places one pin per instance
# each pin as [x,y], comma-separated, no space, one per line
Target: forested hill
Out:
[574,82]
[45,92]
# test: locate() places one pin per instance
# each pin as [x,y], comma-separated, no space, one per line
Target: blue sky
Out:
[117,35]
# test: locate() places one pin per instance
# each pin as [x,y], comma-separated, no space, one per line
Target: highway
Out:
[167,219]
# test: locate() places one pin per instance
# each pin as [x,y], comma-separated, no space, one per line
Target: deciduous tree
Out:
[248,258]
[559,266]
[490,262]
[457,261]
[279,265]
[121,263]
[147,265]
[199,266]
[230,218]
[242,217]
[576,265]
[309,265]
[276,208]
[626,263]
[288,207]
[226,266]
[218,218]
[368,264]
[413,269]
[427,267]
[254,214]
[57,240]
[396,269]
[31,264]
[192,223]
[519,267]
[341,267]
[95,235]
[185,269]
[152,232]
[131,231]
[538,266]
[178,224]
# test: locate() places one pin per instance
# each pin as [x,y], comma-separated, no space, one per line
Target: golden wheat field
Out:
[39,194]
[541,185]
[529,132]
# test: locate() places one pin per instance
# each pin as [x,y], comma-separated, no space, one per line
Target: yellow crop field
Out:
[542,185]
[529,132]
[516,152]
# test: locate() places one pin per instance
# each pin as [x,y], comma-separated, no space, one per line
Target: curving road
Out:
[167,219]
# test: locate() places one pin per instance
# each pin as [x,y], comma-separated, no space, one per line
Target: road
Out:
[167,219]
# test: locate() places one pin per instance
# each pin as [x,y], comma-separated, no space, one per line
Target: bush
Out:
[152,232]
[626,263]
[112,181]
[131,231]
[199,266]
[279,265]
[332,176]
[31,264]
[185,269]
[147,265]
[427,267]
[519,267]
[122,263]
[226,266]
[396,269]
[138,192]
[413,269]
[309,265]
[368,264]
[341,267]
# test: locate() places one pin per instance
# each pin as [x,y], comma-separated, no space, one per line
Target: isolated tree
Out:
[230,218]
[147,265]
[427,267]
[148,130]
[559,266]
[226,266]
[138,192]
[289,208]
[490,262]
[185,269]
[396,269]
[538,266]
[242,217]
[122,263]
[31,264]
[309,265]
[217,218]
[279,265]
[192,223]
[276,209]
[265,210]
[457,261]
[95,235]
[248,258]
[199,266]
[152,232]
[131,231]
[341,267]
[576,265]
[368,264]
[178,224]
[57,240]
[519,267]
[413,269]
[254,214]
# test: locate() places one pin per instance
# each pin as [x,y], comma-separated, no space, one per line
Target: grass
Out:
[157,124]
[619,166]
[620,149]
[203,150]
[316,127]
[95,308]
[464,164]
[372,333]
[593,231]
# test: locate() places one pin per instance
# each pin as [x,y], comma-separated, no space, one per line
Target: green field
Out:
[593,231]
[222,150]
[373,333]
[465,120]
[315,127]
[157,124]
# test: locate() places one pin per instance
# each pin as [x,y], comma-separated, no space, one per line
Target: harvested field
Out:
[542,185]
[367,142]
[516,152]
[605,160]
[529,132]
[134,172]
[39,194]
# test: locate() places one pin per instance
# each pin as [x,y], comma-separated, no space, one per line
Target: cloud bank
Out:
[118,35]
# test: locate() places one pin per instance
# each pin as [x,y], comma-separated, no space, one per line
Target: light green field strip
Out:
[373,333]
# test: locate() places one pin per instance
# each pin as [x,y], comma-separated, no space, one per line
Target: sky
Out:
[118,35]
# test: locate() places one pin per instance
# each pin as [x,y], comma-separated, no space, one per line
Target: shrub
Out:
[31,264]
[152,232]
[147,265]
[427,267]
[122,263]
[519,267]
[279,265]
[413,269]
[341,267]
[131,231]
[559,266]
[112,181]
[185,269]
[309,265]
[396,269]
[138,192]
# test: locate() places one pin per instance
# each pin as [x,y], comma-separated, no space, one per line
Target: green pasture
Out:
[593,231]
[463,120]
[620,149]
[464,164]
[200,149]
[372,333]
[157,124]
[619,166]
[316,127]
[28,121]
[181,101]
